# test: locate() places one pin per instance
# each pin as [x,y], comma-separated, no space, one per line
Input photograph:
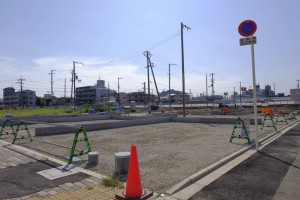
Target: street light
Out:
[119,90]
[170,85]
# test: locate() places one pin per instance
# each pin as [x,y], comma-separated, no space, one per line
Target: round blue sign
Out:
[247,28]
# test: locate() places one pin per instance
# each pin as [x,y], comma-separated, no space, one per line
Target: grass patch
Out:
[110,182]
[36,111]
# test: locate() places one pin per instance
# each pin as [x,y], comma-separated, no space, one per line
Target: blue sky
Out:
[110,36]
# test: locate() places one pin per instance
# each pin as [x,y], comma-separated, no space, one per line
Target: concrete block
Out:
[93,158]
[122,162]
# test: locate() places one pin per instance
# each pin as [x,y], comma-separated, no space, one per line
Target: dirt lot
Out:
[168,152]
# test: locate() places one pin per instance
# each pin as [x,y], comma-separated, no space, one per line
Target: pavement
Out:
[20,177]
[270,173]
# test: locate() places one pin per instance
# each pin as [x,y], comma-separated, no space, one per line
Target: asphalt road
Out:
[260,176]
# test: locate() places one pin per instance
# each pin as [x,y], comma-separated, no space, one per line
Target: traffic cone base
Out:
[120,195]
[143,193]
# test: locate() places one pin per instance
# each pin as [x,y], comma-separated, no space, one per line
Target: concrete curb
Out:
[57,130]
[195,177]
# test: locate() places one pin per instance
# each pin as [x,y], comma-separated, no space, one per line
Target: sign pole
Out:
[247,29]
[254,97]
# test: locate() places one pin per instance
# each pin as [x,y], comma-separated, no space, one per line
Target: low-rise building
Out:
[25,98]
[295,94]
[92,94]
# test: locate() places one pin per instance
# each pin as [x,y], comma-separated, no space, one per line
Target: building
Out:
[92,94]
[269,92]
[86,95]
[295,94]
[11,98]
[139,97]
[102,92]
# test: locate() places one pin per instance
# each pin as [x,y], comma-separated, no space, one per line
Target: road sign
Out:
[247,28]
[246,41]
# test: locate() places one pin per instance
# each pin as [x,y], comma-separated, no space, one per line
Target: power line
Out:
[137,53]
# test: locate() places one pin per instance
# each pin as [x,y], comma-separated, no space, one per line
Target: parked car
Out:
[154,107]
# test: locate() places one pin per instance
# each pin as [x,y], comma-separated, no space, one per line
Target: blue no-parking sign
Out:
[247,28]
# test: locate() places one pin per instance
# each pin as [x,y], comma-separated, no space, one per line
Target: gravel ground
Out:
[167,152]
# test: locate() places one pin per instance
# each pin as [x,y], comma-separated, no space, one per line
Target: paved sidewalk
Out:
[271,173]
[19,180]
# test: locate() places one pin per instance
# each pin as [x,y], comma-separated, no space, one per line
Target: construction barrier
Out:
[268,117]
[224,110]
[244,130]
[281,118]
[267,110]
[23,126]
[7,123]
[291,115]
[19,127]
[75,140]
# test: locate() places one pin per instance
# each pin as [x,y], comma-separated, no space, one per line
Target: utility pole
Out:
[170,85]
[74,78]
[144,83]
[234,95]
[51,73]
[206,87]
[148,55]
[298,83]
[72,87]
[158,95]
[20,81]
[108,92]
[212,87]
[65,88]
[240,94]
[52,93]
[206,92]
[182,63]
[119,90]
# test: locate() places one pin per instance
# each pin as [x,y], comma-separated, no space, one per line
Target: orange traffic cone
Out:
[134,188]
[134,185]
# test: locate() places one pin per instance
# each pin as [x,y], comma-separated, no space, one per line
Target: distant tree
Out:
[47,101]
[41,102]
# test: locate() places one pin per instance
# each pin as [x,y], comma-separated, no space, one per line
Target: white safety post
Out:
[254,96]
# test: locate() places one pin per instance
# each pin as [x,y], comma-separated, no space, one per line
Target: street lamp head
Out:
[79,63]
